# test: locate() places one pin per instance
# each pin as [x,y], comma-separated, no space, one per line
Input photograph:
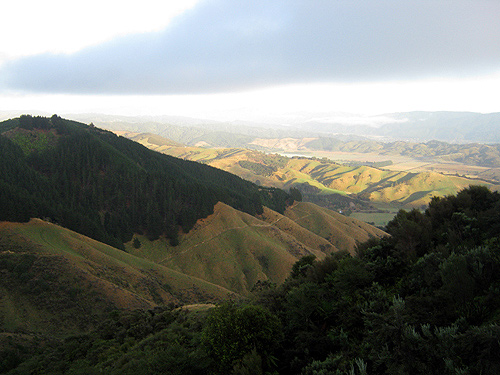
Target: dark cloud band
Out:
[234,45]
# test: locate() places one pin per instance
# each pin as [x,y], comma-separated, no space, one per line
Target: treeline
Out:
[108,187]
[425,300]
[257,168]
[264,164]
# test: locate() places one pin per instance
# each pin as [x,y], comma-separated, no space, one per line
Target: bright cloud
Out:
[245,59]
[31,27]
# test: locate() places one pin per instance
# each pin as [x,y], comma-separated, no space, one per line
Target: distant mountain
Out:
[191,131]
[453,127]
[463,137]
[417,127]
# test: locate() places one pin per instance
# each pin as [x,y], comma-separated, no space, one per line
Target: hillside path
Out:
[260,225]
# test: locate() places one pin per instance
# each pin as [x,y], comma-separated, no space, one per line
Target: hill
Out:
[57,281]
[343,232]
[108,187]
[337,186]
[416,127]
[424,300]
[81,195]
[462,137]
[236,250]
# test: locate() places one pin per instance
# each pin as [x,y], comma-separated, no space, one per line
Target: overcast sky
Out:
[232,58]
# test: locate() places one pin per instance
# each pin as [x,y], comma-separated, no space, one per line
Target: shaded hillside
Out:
[109,187]
[58,281]
[321,180]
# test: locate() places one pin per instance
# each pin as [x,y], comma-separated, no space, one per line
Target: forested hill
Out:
[108,187]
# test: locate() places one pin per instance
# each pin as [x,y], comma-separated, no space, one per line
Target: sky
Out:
[248,59]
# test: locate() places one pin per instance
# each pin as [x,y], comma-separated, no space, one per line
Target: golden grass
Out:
[393,183]
[235,250]
[343,232]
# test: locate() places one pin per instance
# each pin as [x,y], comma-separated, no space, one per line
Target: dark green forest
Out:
[108,187]
[424,300]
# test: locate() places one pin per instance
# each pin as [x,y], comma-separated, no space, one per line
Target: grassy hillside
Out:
[321,177]
[236,250]
[342,232]
[424,300]
[56,280]
[182,246]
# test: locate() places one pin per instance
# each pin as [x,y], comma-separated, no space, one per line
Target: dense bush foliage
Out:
[257,168]
[139,342]
[425,300]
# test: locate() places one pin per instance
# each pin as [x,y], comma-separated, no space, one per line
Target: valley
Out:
[103,220]
[130,252]
[217,187]
[369,186]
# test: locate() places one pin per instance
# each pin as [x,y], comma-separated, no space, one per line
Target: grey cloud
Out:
[231,45]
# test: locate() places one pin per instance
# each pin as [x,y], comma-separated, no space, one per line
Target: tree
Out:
[233,332]
[411,233]
[295,194]
[136,243]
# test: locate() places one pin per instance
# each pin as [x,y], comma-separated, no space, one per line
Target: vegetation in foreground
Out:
[425,300]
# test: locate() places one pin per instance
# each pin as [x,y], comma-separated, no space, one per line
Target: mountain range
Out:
[94,222]
[415,127]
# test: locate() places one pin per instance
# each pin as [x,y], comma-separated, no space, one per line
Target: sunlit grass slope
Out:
[403,188]
[341,231]
[234,250]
